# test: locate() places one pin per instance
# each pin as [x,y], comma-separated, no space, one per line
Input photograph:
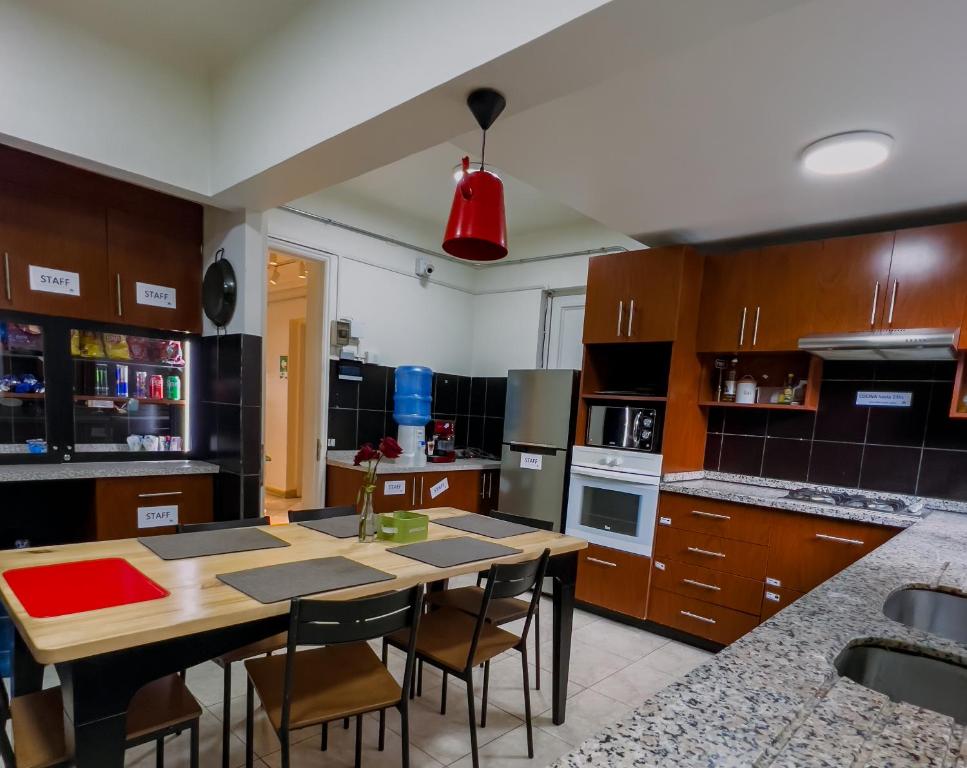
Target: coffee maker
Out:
[442,447]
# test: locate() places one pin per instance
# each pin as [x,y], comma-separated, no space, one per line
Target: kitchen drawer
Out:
[806,550]
[713,622]
[713,552]
[775,599]
[725,589]
[179,498]
[612,579]
[720,518]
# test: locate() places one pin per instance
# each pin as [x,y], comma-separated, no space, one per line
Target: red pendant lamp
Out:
[477,228]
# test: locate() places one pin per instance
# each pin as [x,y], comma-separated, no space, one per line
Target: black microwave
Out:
[618,426]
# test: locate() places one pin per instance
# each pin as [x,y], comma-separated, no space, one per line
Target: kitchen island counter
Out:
[88,470]
[388,467]
[773,698]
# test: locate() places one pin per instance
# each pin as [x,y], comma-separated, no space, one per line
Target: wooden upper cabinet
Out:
[780,306]
[633,297]
[724,316]
[928,278]
[148,260]
[42,230]
[849,277]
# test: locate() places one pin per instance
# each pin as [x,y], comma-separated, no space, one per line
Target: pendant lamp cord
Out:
[483,150]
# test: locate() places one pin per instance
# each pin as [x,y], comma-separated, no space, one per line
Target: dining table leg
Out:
[27,675]
[563,569]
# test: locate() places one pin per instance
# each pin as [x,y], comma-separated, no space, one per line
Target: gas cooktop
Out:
[843,499]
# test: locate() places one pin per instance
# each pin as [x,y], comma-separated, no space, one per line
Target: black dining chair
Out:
[225,661]
[342,677]
[322,513]
[456,642]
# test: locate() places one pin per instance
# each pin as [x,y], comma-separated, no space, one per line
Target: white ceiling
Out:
[421,186]
[701,143]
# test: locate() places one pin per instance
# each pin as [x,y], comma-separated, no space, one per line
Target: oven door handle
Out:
[616,475]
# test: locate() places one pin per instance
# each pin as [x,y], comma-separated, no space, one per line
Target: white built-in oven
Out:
[613,498]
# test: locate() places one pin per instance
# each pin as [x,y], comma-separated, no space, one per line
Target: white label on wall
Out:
[772,597]
[394,487]
[158,517]
[659,565]
[664,521]
[54,281]
[436,490]
[885,399]
[773,582]
[531,461]
[155,295]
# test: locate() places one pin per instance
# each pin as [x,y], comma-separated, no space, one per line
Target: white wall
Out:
[241,234]
[276,343]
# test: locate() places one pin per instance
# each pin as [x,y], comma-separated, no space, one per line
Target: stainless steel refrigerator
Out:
[535,457]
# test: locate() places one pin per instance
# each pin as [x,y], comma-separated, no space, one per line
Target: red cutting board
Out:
[46,591]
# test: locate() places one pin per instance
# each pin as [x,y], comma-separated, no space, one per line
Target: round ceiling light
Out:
[845,153]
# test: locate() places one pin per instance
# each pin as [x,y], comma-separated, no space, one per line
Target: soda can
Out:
[156,387]
[141,384]
[121,380]
[100,379]
[173,387]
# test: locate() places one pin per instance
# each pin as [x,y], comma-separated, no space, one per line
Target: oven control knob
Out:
[646,422]
[646,433]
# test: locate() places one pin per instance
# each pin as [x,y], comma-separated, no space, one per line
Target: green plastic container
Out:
[402,527]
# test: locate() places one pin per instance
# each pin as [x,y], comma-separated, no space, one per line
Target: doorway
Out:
[294,377]
[562,345]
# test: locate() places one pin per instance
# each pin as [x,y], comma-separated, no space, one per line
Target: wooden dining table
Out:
[104,656]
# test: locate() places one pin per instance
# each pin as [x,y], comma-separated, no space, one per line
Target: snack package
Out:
[91,344]
[139,349]
[24,338]
[116,346]
[171,353]
[75,342]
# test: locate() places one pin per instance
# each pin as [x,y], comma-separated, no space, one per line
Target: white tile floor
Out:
[613,669]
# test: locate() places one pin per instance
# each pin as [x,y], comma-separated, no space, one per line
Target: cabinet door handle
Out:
[840,539]
[755,327]
[631,316]
[745,311]
[413,494]
[490,485]
[160,493]
[483,485]
[421,490]
[889,319]
[6,275]
[621,312]
[691,615]
[118,290]
[707,552]
[702,585]
[607,563]
[712,515]
[876,295]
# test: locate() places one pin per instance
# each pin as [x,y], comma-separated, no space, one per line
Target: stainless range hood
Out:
[915,344]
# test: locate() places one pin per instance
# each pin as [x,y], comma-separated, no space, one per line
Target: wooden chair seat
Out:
[259,648]
[329,683]
[445,637]
[39,732]
[469,599]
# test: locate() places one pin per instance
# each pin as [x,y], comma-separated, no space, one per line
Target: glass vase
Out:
[367,517]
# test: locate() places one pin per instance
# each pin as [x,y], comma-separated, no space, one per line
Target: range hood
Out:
[915,344]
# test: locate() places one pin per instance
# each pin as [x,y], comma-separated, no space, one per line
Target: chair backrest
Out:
[222,525]
[323,513]
[6,748]
[510,581]
[542,524]
[332,622]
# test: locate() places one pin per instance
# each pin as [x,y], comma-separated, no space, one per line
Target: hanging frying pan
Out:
[219,290]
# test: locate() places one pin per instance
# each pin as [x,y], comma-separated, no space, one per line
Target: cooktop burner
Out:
[841,499]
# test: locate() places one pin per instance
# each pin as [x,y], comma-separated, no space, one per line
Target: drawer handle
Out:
[840,539]
[160,493]
[712,515]
[708,552]
[6,274]
[691,615]
[601,562]
[702,584]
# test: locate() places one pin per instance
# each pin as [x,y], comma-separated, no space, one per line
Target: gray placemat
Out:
[491,527]
[340,527]
[273,583]
[445,553]
[179,546]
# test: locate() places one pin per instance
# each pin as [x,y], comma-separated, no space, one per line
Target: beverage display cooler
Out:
[78,391]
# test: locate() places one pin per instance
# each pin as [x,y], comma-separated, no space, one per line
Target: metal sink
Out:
[939,613]
[904,676]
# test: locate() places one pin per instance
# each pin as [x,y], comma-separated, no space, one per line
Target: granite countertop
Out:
[773,698]
[387,467]
[84,470]
[765,492]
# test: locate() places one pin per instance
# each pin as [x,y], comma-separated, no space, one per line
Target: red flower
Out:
[366,452]
[390,448]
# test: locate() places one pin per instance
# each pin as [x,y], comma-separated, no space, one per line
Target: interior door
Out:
[563,347]
[607,299]
[928,273]
[849,283]
[47,232]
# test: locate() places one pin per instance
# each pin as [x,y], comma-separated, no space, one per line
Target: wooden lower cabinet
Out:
[725,589]
[718,624]
[741,558]
[125,507]
[774,599]
[719,518]
[612,579]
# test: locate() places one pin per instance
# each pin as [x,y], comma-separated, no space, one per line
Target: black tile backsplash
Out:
[915,450]
[363,411]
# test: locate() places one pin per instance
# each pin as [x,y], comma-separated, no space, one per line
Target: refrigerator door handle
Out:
[522,447]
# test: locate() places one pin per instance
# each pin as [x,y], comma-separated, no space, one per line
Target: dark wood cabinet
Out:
[155,271]
[464,489]
[612,579]
[49,232]
[774,599]
[724,319]
[697,617]
[604,312]
[780,305]
[126,507]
